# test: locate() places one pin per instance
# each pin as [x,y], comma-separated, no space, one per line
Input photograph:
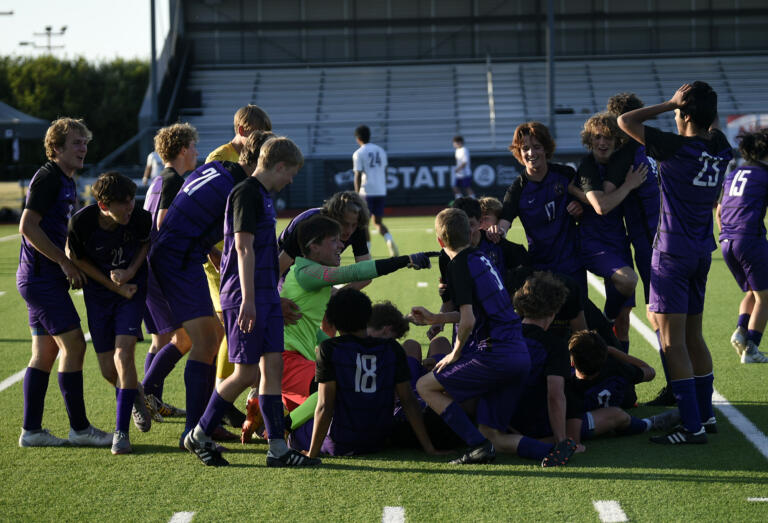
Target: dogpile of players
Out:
[529,364]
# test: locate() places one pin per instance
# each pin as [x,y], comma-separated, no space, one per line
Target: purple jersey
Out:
[474,280]
[366,371]
[599,233]
[614,386]
[541,206]
[109,249]
[250,209]
[690,176]
[289,238]
[52,194]
[195,219]
[745,195]
[161,192]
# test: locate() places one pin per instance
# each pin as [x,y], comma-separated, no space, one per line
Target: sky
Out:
[96,29]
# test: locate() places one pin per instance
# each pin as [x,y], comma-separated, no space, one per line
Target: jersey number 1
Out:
[365,374]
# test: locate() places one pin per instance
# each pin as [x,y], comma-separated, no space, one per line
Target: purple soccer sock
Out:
[125,398]
[755,337]
[148,361]
[71,386]
[162,365]
[704,389]
[663,358]
[743,321]
[211,418]
[271,406]
[196,375]
[530,448]
[457,419]
[687,401]
[35,387]
[636,426]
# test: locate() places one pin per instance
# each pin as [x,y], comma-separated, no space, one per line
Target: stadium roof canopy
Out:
[14,123]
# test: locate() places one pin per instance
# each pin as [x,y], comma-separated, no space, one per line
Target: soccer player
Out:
[358,378]
[605,247]
[462,173]
[190,229]
[177,145]
[489,359]
[251,306]
[154,167]
[43,279]
[108,241]
[742,240]
[691,166]
[369,163]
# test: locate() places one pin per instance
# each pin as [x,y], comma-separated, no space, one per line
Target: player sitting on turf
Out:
[742,240]
[603,386]
[108,241]
[489,359]
[691,168]
[605,248]
[358,378]
[177,146]
[251,306]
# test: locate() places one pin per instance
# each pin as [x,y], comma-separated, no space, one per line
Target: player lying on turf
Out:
[742,240]
[358,378]
[108,241]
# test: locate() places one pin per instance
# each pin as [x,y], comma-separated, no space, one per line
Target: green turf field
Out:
[711,482]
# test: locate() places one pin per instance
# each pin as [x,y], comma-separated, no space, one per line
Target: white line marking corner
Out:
[393,515]
[610,511]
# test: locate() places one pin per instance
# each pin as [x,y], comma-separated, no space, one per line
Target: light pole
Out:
[48,34]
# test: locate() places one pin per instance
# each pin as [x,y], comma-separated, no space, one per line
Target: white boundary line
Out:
[759,500]
[610,511]
[732,414]
[393,515]
[11,237]
[182,517]
[11,380]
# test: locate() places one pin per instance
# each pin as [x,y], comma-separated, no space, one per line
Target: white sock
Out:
[388,237]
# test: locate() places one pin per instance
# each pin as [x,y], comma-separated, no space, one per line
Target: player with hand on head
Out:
[691,168]
[742,240]
[369,163]
[108,241]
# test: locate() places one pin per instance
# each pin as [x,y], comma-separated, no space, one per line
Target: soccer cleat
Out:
[753,355]
[120,443]
[151,402]
[206,451]
[167,410]
[739,340]
[664,398]
[680,436]
[393,250]
[666,420]
[90,437]
[254,422]
[483,453]
[710,426]
[140,413]
[292,458]
[233,417]
[560,454]
[40,438]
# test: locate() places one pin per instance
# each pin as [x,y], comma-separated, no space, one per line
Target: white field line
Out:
[87,337]
[182,517]
[737,419]
[393,515]
[759,500]
[421,284]
[10,380]
[2,293]
[610,511]
[10,237]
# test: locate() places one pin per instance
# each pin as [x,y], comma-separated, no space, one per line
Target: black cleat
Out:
[483,453]
[664,398]
[560,454]
[233,417]
[206,451]
[710,426]
[292,458]
[680,436]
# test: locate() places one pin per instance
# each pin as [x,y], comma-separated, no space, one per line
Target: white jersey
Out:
[371,160]
[155,163]
[462,157]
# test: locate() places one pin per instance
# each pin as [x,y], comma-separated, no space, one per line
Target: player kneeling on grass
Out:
[251,307]
[603,382]
[489,359]
[358,377]
[108,241]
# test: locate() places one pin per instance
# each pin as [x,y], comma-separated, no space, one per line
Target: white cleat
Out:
[739,340]
[753,355]
[90,437]
[40,438]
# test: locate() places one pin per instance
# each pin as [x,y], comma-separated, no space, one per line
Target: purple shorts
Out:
[747,258]
[184,288]
[158,317]
[375,205]
[266,336]
[605,263]
[678,283]
[463,181]
[51,311]
[497,378]
[110,318]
